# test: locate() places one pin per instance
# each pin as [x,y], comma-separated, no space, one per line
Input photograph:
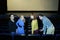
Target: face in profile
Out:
[22,17]
[32,17]
[40,17]
[12,17]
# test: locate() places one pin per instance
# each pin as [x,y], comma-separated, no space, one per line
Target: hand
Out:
[41,30]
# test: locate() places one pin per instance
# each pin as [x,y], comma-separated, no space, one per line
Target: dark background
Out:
[4,17]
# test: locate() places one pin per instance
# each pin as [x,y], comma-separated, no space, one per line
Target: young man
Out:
[48,27]
[20,26]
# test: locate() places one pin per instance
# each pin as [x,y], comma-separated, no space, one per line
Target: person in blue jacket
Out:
[20,26]
[48,27]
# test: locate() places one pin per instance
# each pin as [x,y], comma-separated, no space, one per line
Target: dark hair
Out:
[32,13]
[10,14]
[41,15]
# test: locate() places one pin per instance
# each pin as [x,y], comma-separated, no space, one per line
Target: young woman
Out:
[34,24]
[20,26]
[12,26]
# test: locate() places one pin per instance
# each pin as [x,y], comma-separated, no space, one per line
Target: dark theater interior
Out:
[50,9]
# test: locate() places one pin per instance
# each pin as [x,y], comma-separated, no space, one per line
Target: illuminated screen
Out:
[32,5]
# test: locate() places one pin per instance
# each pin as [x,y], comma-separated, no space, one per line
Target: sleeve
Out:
[44,28]
[24,20]
[44,25]
[32,27]
[16,27]
[9,24]
[17,24]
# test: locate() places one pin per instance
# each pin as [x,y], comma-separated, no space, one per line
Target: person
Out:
[20,26]
[34,24]
[48,27]
[12,25]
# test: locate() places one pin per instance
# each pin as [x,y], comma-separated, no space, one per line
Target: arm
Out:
[42,29]
[17,24]
[24,20]
[32,24]
[32,29]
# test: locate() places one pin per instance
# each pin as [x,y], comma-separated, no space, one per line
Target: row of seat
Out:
[17,37]
[4,24]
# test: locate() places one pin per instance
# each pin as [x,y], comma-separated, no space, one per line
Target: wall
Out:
[32,5]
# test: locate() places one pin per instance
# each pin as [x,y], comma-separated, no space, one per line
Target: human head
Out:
[22,17]
[32,16]
[11,17]
[40,16]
